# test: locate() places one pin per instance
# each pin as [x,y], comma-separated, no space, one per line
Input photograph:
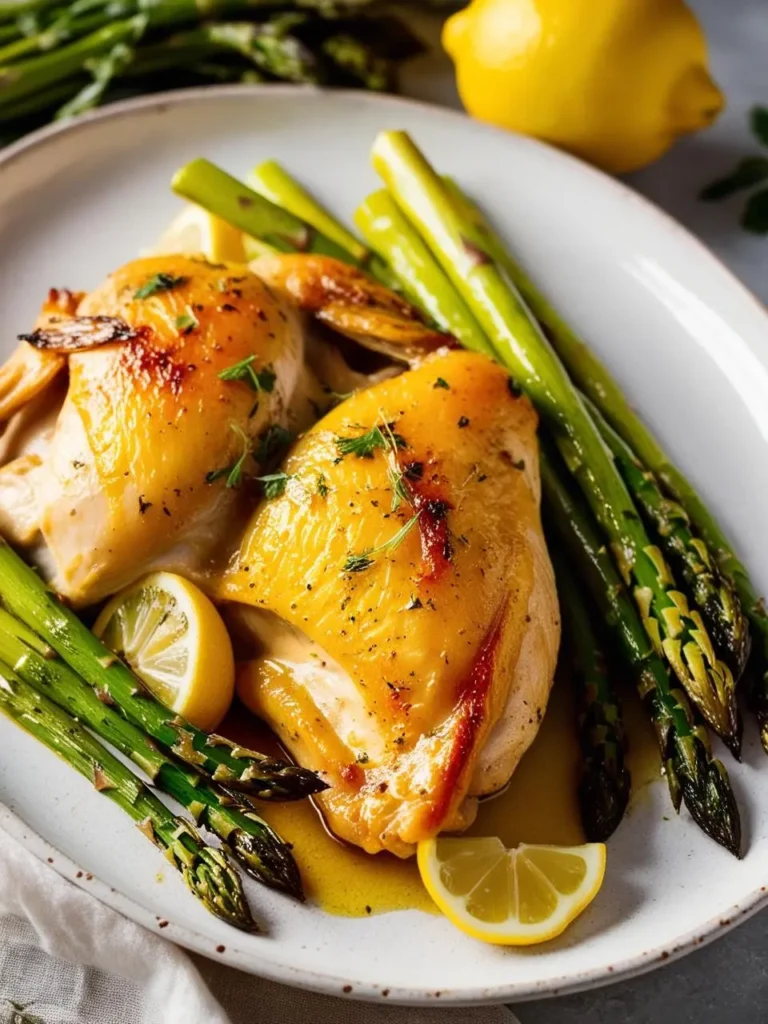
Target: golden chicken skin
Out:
[177,369]
[402,615]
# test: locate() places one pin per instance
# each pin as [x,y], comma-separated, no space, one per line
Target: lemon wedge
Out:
[194,231]
[513,897]
[175,641]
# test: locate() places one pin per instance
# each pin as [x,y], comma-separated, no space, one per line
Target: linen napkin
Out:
[65,958]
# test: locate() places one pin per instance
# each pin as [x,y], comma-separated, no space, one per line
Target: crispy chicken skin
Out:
[395,680]
[147,418]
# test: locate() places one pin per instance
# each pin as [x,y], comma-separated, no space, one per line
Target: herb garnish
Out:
[259,380]
[366,444]
[272,442]
[363,561]
[441,383]
[397,482]
[750,172]
[187,321]
[158,283]
[234,472]
[274,484]
[322,486]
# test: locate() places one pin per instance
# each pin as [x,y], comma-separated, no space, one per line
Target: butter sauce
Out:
[538,806]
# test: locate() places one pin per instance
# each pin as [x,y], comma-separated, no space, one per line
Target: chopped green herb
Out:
[272,443]
[274,484]
[366,444]
[363,561]
[441,383]
[322,486]
[187,321]
[399,489]
[755,216]
[259,380]
[233,472]
[158,283]
[414,604]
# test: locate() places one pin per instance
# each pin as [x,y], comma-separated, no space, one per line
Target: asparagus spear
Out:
[258,848]
[523,349]
[205,870]
[274,183]
[605,782]
[692,773]
[218,192]
[421,278]
[24,594]
[713,593]
[594,379]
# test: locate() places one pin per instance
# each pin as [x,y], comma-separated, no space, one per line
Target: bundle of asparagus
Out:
[46,656]
[59,59]
[636,521]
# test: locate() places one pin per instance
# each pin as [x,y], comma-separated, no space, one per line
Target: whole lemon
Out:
[613,81]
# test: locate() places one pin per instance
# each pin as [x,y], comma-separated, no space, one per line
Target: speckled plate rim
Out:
[352,988]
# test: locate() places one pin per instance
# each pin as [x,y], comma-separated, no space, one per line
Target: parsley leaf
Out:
[441,383]
[322,486]
[187,321]
[366,444]
[755,216]
[158,283]
[258,380]
[363,561]
[272,443]
[274,484]
[750,171]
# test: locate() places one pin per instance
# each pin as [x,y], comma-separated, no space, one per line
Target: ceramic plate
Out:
[687,342]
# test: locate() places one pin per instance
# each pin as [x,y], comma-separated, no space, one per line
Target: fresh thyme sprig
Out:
[233,472]
[259,380]
[274,484]
[365,559]
[364,445]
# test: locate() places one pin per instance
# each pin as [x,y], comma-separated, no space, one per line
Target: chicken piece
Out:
[126,485]
[402,612]
[29,371]
[351,303]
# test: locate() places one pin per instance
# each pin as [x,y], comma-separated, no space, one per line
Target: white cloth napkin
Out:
[65,958]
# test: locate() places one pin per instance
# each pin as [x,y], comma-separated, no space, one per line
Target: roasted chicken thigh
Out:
[403,616]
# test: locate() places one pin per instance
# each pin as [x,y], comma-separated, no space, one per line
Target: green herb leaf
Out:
[441,383]
[366,444]
[398,485]
[259,380]
[363,561]
[273,442]
[274,484]
[758,120]
[750,171]
[755,216]
[158,283]
[233,472]
[322,486]
[187,321]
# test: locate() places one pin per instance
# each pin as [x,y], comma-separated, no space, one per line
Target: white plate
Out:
[687,342]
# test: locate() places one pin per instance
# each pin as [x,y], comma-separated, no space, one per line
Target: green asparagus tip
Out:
[603,800]
[711,803]
[213,881]
[269,863]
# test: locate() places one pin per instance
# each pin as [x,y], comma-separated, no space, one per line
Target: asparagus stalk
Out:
[283,56]
[594,379]
[274,183]
[713,593]
[218,192]
[258,848]
[605,783]
[521,346]
[205,870]
[357,62]
[26,597]
[692,773]
[421,278]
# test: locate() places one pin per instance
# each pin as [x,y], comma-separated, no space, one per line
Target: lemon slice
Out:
[194,231]
[510,897]
[175,641]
